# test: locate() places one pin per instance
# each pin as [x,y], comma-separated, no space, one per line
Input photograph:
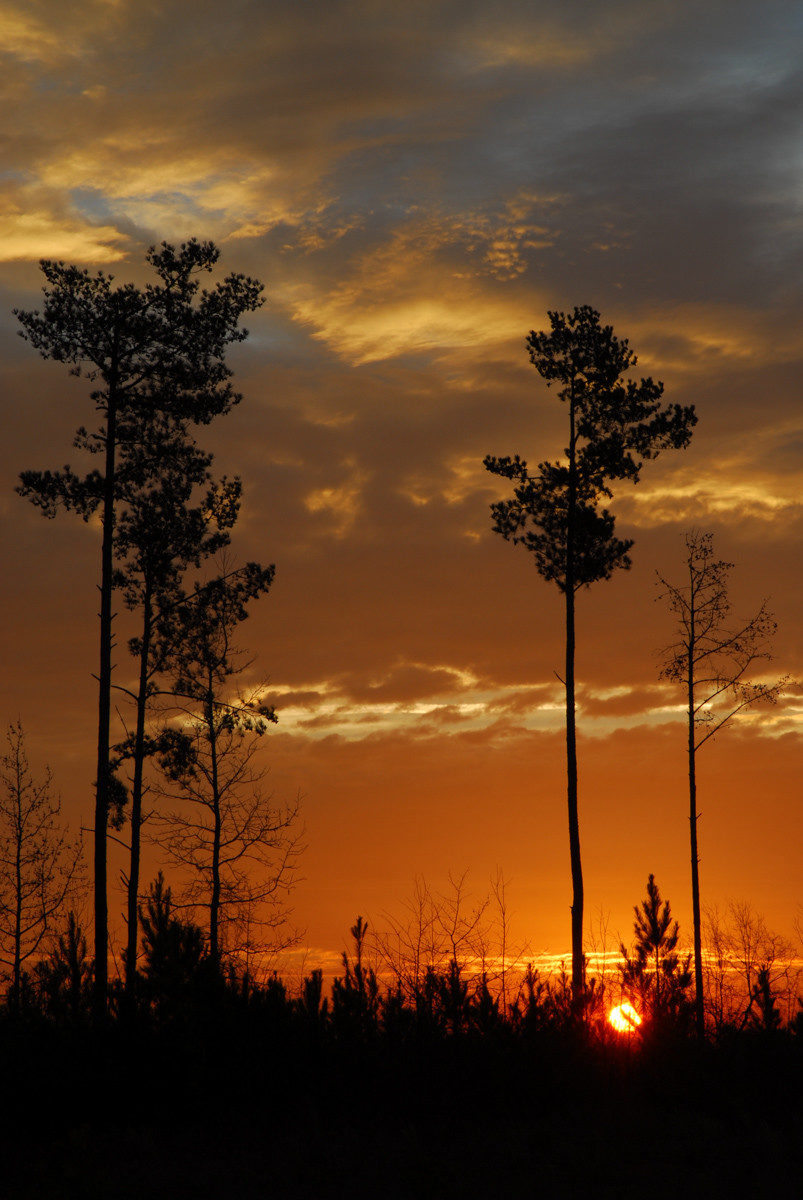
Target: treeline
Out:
[402,985]
[398,1079]
[446,963]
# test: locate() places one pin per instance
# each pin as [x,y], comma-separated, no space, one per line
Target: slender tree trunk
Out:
[699,1013]
[214,903]
[578,961]
[136,796]
[15,994]
[104,709]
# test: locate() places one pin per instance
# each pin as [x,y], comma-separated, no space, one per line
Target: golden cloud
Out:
[362,335]
[571,44]
[464,474]
[34,223]
[341,503]
[49,39]
[700,339]
[559,48]
[415,698]
[695,499]
[430,282]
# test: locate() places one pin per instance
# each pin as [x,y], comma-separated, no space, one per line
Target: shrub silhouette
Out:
[652,972]
[177,970]
[64,977]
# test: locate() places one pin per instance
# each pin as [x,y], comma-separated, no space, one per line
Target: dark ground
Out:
[186,1115]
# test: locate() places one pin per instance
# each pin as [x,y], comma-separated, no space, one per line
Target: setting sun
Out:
[624,1018]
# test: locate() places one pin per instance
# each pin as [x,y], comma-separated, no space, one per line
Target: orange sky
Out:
[415,188]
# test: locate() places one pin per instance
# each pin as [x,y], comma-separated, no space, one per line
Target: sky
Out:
[416,186]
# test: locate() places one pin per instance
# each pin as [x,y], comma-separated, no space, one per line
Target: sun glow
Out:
[624,1018]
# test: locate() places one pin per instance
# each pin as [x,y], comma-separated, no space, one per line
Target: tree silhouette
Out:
[653,969]
[64,975]
[764,1009]
[355,997]
[711,658]
[39,862]
[435,930]
[159,535]
[157,352]
[239,848]
[175,954]
[556,514]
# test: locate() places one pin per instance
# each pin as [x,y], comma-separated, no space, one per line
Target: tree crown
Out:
[614,424]
[157,354]
[712,654]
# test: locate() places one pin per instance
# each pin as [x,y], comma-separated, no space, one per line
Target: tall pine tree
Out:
[153,353]
[557,514]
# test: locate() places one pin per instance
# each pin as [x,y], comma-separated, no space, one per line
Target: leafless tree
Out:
[603,957]
[740,948]
[39,862]
[712,657]
[238,849]
[436,929]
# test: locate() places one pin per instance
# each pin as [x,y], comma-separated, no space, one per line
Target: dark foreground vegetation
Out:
[212,1085]
[232,1105]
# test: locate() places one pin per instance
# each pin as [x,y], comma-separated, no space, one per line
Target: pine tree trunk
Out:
[578,961]
[15,992]
[699,1013]
[104,709]
[214,903]
[136,797]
